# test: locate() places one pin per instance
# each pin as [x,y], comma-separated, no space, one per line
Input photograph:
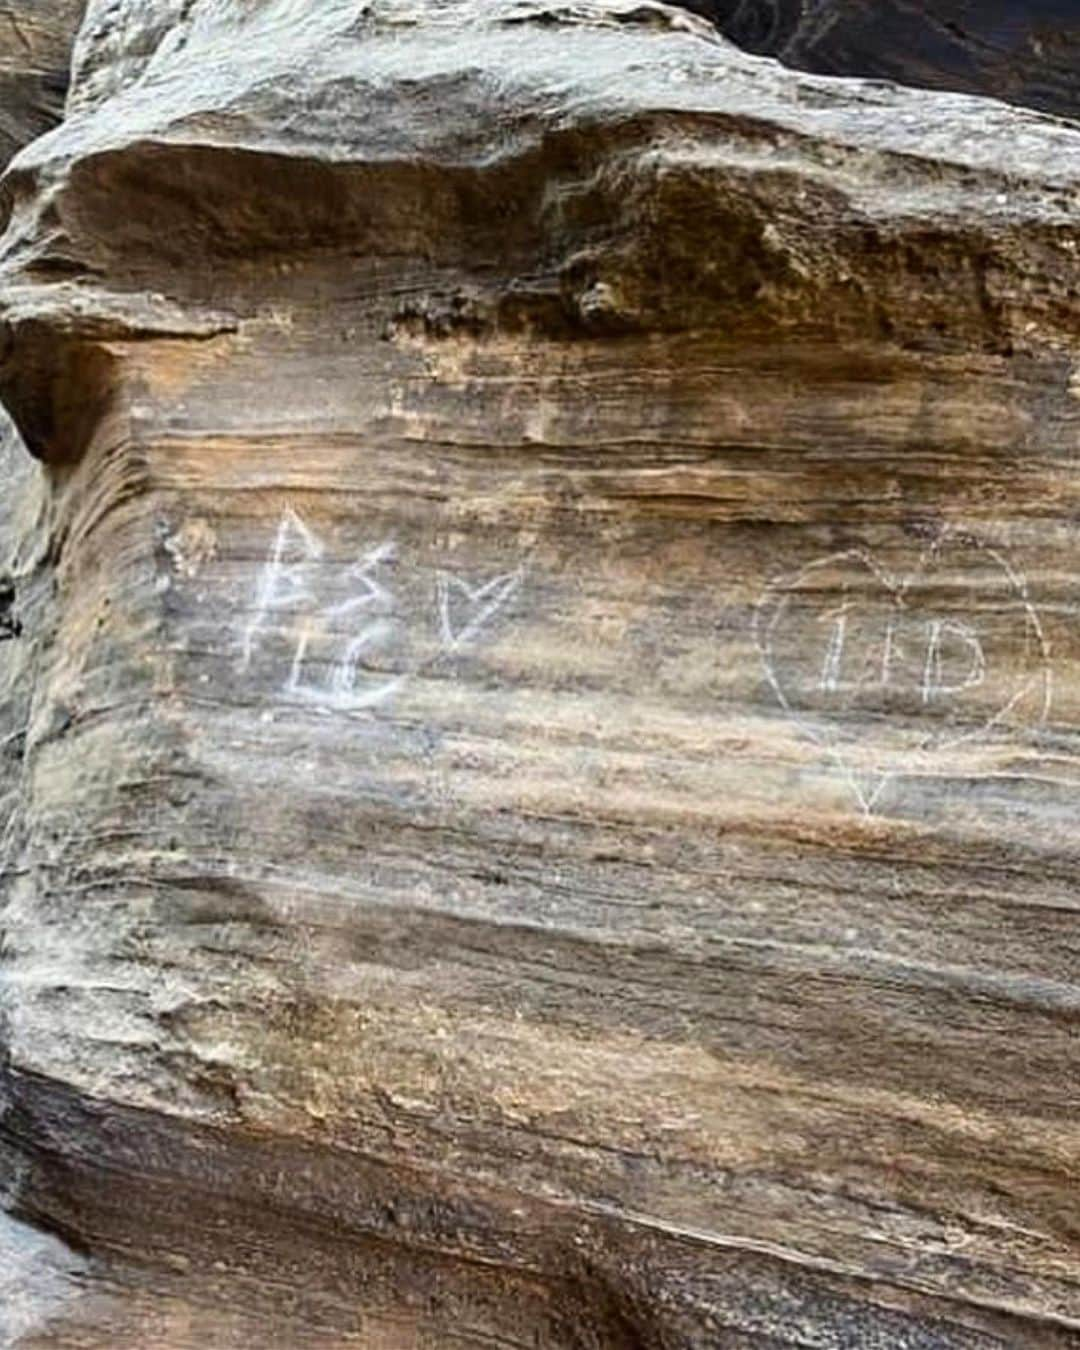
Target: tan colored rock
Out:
[543,739]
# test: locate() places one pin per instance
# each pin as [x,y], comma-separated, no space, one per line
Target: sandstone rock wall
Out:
[541,755]
[35,55]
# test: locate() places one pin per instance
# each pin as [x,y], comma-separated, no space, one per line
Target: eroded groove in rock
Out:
[542,732]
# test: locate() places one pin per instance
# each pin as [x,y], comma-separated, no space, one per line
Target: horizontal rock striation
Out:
[1024,51]
[541,747]
[36,38]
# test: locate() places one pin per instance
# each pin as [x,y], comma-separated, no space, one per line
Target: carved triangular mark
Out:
[868,788]
[465,607]
[295,542]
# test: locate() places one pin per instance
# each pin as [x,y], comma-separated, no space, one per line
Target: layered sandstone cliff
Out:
[539,704]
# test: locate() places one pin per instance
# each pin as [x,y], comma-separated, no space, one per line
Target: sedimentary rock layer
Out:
[541,748]
[35,54]
[1025,51]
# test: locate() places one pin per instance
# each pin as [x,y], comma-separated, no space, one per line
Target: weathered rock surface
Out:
[35,55]
[1025,51]
[541,753]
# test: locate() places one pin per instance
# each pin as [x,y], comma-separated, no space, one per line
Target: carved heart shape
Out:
[944,653]
[466,606]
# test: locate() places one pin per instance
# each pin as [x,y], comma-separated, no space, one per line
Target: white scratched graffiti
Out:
[351,653]
[282,581]
[465,607]
[949,651]
[372,609]
[937,683]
